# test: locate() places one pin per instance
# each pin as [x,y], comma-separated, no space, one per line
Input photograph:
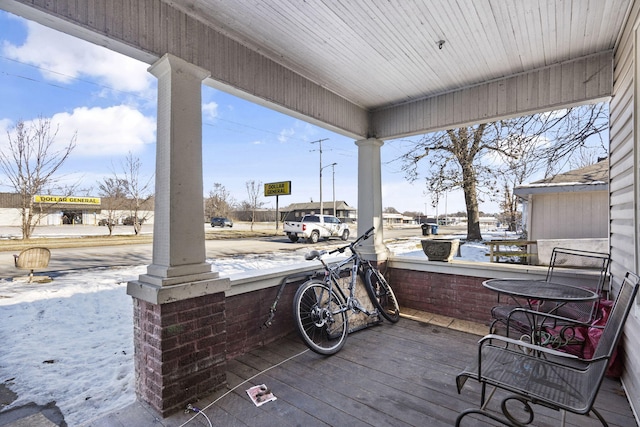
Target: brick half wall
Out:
[247,313]
[180,350]
[457,296]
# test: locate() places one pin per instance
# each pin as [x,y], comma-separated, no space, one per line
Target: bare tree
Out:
[587,156]
[219,202]
[532,151]
[472,158]
[526,157]
[113,191]
[138,191]
[30,162]
[509,206]
[570,131]
[454,162]
[254,190]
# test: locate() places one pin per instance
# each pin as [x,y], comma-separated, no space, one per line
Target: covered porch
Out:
[400,375]
[371,73]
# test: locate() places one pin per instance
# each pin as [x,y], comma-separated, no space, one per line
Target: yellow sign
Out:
[67,199]
[277,188]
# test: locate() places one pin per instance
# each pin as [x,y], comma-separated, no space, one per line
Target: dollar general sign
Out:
[277,188]
[65,199]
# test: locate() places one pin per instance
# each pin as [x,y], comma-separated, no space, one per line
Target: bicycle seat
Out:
[313,255]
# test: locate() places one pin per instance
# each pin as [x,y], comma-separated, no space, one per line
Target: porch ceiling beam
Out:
[585,80]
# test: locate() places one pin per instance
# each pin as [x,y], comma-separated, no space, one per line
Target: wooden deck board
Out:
[401,375]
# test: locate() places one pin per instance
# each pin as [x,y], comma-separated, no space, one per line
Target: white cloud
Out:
[112,131]
[64,58]
[285,134]
[5,125]
[210,110]
[305,131]
[101,133]
[553,115]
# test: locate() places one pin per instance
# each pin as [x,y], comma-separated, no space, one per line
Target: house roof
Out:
[341,205]
[594,177]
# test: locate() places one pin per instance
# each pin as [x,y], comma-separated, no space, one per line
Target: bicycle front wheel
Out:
[381,295]
[320,318]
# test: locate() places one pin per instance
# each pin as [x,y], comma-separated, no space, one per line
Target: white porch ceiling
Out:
[369,67]
[378,53]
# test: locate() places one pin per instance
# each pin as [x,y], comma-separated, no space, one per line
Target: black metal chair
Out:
[595,265]
[543,376]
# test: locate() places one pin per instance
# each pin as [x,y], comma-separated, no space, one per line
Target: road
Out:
[140,254]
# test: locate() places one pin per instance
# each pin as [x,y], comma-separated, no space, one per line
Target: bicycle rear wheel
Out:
[381,295]
[319,321]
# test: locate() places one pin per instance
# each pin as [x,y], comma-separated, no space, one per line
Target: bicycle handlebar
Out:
[317,254]
[364,236]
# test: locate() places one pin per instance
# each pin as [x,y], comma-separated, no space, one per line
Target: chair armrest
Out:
[524,344]
[547,316]
[534,348]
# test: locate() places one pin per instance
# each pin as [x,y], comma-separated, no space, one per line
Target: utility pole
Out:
[333,181]
[321,206]
[319,142]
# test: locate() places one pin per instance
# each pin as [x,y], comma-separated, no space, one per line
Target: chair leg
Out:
[486,400]
[480,412]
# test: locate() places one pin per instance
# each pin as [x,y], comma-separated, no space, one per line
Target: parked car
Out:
[221,222]
[129,221]
[106,221]
[315,227]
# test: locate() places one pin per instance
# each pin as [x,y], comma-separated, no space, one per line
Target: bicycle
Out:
[321,307]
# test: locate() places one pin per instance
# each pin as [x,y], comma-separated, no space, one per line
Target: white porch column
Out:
[178,230]
[370,197]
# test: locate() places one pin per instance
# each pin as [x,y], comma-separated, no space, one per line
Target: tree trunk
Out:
[27,218]
[471,201]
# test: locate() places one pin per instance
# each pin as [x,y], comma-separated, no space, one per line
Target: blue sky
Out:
[109,100]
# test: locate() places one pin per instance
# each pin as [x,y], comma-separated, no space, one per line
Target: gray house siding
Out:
[623,187]
[569,215]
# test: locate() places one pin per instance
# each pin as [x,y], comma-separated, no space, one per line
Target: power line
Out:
[66,76]
[133,94]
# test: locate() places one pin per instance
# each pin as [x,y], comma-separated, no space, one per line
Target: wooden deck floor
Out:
[387,375]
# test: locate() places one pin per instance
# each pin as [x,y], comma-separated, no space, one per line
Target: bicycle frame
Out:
[333,269]
[332,275]
[321,305]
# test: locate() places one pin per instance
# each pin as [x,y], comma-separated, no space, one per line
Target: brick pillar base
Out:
[180,350]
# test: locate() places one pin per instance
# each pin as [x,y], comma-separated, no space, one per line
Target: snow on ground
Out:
[71,340]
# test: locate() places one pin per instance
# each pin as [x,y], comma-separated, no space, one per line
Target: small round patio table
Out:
[540,290]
